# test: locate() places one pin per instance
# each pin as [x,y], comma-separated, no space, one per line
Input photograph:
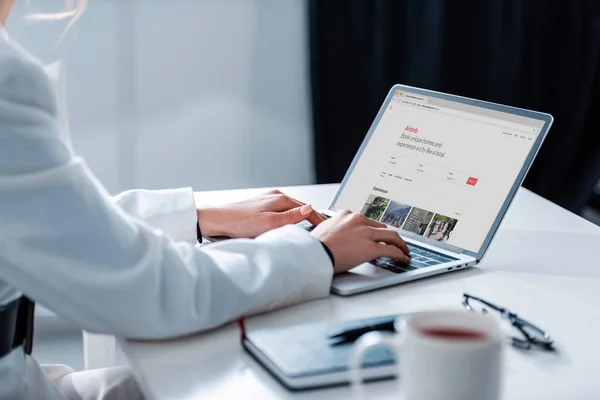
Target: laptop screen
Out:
[439,168]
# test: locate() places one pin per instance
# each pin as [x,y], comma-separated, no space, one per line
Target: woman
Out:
[129,266]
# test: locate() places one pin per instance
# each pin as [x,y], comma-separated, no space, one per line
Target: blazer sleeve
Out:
[173,211]
[68,246]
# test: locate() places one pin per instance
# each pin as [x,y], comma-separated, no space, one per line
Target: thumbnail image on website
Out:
[438,168]
[396,214]
[374,207]
[422,222]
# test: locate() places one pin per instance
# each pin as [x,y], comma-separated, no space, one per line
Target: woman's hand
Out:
[253,217]
[354,239]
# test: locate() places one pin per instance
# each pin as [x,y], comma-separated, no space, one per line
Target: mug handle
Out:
[363,345]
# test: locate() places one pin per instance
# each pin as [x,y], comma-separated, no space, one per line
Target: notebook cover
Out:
[306,350]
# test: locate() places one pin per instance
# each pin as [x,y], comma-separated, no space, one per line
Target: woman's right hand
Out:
[354,239]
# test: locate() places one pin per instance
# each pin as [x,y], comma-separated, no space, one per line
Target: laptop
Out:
[442,170]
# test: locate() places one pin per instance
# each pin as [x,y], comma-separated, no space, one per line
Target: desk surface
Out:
[542,264]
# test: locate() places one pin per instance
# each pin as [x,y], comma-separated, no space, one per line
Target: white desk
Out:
[542,264]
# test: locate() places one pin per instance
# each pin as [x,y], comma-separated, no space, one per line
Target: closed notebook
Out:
[304,357]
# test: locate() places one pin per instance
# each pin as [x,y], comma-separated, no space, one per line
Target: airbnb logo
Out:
[411,129]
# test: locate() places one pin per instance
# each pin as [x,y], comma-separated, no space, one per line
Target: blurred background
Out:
[220,94]
[212,94]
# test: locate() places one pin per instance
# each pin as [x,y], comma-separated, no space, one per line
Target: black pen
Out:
[353,334]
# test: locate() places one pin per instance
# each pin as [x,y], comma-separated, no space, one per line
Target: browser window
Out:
[438,168]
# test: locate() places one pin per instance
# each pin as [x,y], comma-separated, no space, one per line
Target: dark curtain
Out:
[538,54]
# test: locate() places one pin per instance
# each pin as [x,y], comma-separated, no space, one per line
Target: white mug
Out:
[449,355]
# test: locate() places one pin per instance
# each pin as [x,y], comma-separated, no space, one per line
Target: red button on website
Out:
[472,181]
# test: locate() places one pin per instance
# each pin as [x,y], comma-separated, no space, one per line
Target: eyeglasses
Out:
[531,335]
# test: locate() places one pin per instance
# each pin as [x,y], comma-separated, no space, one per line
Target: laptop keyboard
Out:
[307,226]
[420,257]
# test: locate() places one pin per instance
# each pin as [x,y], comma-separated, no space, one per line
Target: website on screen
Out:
[438,171]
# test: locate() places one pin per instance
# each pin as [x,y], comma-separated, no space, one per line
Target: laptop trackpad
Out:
[364,271]
[360,278]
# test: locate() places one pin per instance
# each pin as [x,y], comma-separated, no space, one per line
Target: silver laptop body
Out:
[442,170]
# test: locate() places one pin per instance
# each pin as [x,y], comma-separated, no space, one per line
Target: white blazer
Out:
[128,265]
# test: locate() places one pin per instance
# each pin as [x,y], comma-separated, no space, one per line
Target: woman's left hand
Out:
[253,217]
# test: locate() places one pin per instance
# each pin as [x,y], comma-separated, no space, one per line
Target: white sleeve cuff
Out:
[312,270]
[173,211]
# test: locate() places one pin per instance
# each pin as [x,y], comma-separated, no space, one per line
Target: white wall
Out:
[204,93]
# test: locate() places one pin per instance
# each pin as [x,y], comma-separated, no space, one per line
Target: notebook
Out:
[302,357]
